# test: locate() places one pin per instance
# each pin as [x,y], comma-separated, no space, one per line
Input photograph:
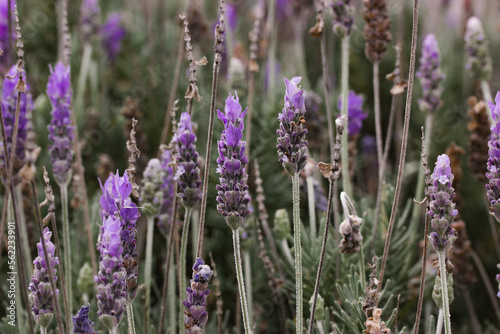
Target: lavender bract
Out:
[112,35]
[188,170]
[195,315]
[232,192]
[116,202]
[41,297]
[355,113]
[151,194]
[61,132]
[430,75]
[442,210]
[343,17]
[292,143]
[478,54]
[493,164]
[81,322]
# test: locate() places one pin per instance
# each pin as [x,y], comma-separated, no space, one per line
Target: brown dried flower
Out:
[375,325]
[479,126]
[459,254]
[377,34]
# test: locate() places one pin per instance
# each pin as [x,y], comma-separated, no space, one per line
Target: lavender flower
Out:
[188,170]
[89,20]
[430,75]
[343,17]
[112,275]
[478,54]
[8,104]
[116,202]
[167,188]
[196,315]
[6,35]
[41,296]
[81,322]
[355,113]
[61,132]
[151,192]
[442,210]
[112,34]
[292,144]
[498,280]
[493,164]
[232,192]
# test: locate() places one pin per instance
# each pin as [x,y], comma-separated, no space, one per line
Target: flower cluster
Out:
[343,17]
[377,29]
[232,192]
[478,54]
[167,189]
[315,121]
[117,204]
[81,322]
[41,296]
[151,192]
[6,35]
[112,34]
[430,75]
[188,170]
[350,229]
[442,210]
[493,164]
[196,315]
[61,132]
[292,143]
[89,19]
[355,113]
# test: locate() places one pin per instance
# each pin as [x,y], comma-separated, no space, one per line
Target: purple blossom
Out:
[188,170]
[89,19]
[116,202]
[8,104]
[292,144]
[498,280]
[493,164]
[112,276]
[231,16]
[196,315]
[167,188]
[41,296]
[81,322]
[442,210]
[478,54]
[7,36]
[232,192]
[343,16]
[61,132]
[355,113]
[112,34]
[430,75]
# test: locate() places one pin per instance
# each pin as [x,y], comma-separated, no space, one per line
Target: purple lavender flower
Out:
[61,132]
[498,280]
[442,210]
[343,17]
[112,34]
[493,164]
[478,54]
[292,143]
[232,192]
[167,187]
[6,35]
[231,16]
[89,19]
[430,75]
[196,315]
[355,113]
[41,297]
[81,322]
[188,170]
[112,275]
[116,202]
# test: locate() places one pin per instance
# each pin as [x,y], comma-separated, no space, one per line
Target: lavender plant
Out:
[7,35]
[196,315]
[112,33]
[493,173]
[81,322]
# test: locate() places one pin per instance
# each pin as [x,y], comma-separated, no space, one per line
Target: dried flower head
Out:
[459,255]
[343,17]
[479,126]
[377,29]
[350,227]
[478,54]
[375,325]
[430,75]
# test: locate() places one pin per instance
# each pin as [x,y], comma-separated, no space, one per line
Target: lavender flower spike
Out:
[355,113]
[292,144]
[232,192]
[430,75]
[112,34]
[89,19]
[61,132]
[343,17]
[195,315]
[151,192]
[493,164]
[81,322]
[188,170]
[167,188]
[442,210]
[112,276]
[41,297]
[7,33]
[478,54]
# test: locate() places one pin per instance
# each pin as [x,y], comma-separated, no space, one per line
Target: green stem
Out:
[172,304]
[114,330]
[11,221]
[311,205]
[487,97]
[147,271]
[378,121]
[361,265]
[241,282]
[298,252]
[82,80]
[130,319]
[248,277]
[286,250]
[24,231]
[444,291]
[67,246]
[346,182]
[182,264]
[439,327]
[43,330]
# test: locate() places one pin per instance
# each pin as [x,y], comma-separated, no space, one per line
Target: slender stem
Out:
[172,302]
[361,258]
[61,269]
[444,291]
[487,283]
[251,90]
[24,230]
[195,220]
[378,121]
[241,282]
[346,182]
[298,252]
[43,330]
[82,80]
[182,263]
[472,313]
[321,258]
[286,250]
[402,156]
[147,271]
[130,318]
[326,92]
[67,245]
[439,327]
[487,97]
[248,277]
[311,205]
[422,276]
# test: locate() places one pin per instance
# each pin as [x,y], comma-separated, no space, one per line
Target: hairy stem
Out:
[67,246]
[378,121]
[439,326]
[130,318]
[298,252]
[247,262]
[147,271]
[241,282]
[182,263]
[346,182]
[444,291]
[422,276]
[311,205]
[24,231]
[487,97]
